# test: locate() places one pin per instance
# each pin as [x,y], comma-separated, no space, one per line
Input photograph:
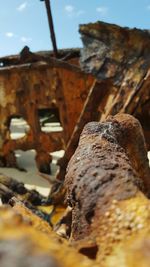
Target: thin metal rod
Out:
[51,27]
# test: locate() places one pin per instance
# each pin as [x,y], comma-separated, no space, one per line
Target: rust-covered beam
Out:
[109,163]
[70,54]
[51,26]
[107,183]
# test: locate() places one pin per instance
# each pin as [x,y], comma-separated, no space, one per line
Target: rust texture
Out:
[119,60]
[28,88]
[123,56]
[107,183]
[26,240]
[30,82]
[110,159]
[107,219]
[107,189]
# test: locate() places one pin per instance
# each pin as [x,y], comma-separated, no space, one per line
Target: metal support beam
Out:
[51,26]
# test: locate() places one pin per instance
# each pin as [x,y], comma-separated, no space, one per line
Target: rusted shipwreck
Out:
[106,186]
[112,77]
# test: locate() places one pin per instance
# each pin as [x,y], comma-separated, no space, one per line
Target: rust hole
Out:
[18,127]
[90,252]
[49,120]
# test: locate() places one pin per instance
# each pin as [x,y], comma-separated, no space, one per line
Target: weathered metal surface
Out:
[28,88]
[121,55]
[26,56]
[89,112]
[110,159]
[44,82]
[107,181]
[107,219]
[107,184]
[51,26]
[26,240]
[119,59]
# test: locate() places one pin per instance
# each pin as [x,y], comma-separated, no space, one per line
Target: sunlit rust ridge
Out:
[107,187]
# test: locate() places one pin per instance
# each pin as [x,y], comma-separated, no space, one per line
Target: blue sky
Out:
[24,22]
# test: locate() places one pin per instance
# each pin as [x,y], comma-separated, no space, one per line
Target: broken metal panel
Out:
[26,56]
[121,55]
[110,51]
[119,59]
[28,88]
[90,111]
[72,91]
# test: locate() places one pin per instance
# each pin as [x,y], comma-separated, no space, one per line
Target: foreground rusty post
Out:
[102,170]
[51,26]
[107,184]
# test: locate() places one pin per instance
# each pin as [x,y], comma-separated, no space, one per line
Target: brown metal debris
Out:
[39,81]
[107,217]
[104,167]
[107,184]
[121,55]
[26,240]
[28,89]
[123,75]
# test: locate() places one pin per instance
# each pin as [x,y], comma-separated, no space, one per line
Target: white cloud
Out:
[22,7]
[25,39]
[69,8]
[80,12]
[72,12]
[9,34]
[103,10]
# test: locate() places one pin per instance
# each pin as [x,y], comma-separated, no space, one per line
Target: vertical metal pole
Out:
[51,26]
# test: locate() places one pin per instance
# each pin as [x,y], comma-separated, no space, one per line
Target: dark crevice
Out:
[90,252]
